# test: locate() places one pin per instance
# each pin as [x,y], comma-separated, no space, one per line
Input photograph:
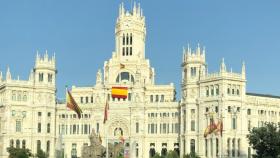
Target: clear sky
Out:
[81,33]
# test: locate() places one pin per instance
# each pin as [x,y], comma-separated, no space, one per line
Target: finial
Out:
[198,49]
[1,76]
[223,66]
[8,74]
[134,8]
[243,70]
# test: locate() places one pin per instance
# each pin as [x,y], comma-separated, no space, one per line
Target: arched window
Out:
[123,39]
[125,77]
[126,51]
[19,96]
[23,144]
[48,146]
[14,98]
[48,128]
[11,143]
[131,39]
[238,146]
[38,145]
[118,132]
[127,39]
[24,98]
[192,146]
[233,148]
[130,51]
[164,150]
[17,143]
[123,51]
[152,151]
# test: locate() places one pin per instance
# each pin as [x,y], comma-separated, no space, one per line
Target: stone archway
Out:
[118,127]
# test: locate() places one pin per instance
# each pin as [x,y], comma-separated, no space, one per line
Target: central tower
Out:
[130,34]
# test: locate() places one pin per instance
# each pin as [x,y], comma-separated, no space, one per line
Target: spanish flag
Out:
[119,92]
[219,129]
[71,104]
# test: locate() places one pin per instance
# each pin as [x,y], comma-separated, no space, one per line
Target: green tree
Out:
[157,156]
[172,154]
[42,154]
[265,140]
[18,152]
[191,155]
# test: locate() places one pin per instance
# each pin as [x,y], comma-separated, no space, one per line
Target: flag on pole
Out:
[219,129]
[122,66]
[210,128]
[71,104]
[106,112]
[100,139]
[119,92]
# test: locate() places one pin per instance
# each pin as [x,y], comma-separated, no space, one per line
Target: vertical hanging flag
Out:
[219,129]
[71,104]
[106,112]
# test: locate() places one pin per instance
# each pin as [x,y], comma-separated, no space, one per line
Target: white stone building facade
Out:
[150,119]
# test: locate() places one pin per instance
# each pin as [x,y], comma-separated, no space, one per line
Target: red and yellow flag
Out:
[119,92]
[106,112]
[71,104]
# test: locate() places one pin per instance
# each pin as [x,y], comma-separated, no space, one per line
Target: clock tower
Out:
[130,34]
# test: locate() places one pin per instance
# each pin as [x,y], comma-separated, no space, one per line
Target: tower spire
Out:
[243,73]
[223,66]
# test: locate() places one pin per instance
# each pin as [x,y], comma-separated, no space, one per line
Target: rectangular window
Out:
[38,145]
[130,50]
[249,125]
[48,128]
[41,77]
[97,127]
[162,98]
[151,98]
[177,128]
[123,51]
[49,114]
[137,127]
[129,96]
[86,99]
[192,125]
[91,99]
[39,128]
[248,111]
[233,123]
[50,78]
[82,99]
[18,126]
[39,114]
[157,98]
[217,91]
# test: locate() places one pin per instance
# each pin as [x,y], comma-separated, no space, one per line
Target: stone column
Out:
[214,147]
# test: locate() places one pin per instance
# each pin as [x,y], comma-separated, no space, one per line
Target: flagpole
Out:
[107,153]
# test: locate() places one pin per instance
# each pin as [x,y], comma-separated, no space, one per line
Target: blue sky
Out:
[81,33]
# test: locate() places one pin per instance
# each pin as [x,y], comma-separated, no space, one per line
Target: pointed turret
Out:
[99,77]
[1,76]
[223,66]
[243,72]
[8,74]
[31,75]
